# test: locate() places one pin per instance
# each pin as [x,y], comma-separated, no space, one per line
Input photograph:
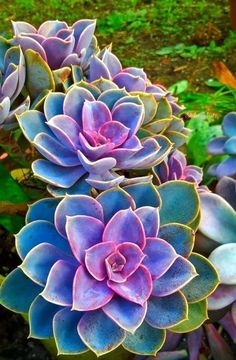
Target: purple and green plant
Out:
[105,64]
[12,81]
[175,167]
[92,285]
[225,145]
[91,132]
[162,105]
[57,43]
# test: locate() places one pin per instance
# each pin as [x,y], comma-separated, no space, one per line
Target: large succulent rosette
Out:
[93,132]
[98,273]
[225,145]
[57,43]
[162,105]
[12,80]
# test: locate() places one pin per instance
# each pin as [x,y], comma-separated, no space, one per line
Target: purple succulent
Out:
[12,80]
[225,145]
[80,134]
[71,45]
[108,66]
[161,106]
[97,273]
[175,167]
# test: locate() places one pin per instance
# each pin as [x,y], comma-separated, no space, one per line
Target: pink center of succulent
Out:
[115,263]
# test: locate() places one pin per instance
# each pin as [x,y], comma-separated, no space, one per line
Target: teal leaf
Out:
[180,202]
[39,75]
[205,283]
[18,291]
[145,341]
[181,237]
[144,194]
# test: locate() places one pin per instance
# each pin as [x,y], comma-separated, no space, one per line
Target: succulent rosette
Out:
[93,133]
[12,80]
[107,65]
[175,167]
[162,105]
[225,145]
[57,43]
[91,284]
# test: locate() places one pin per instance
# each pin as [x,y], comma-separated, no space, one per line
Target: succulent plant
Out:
[162,106]
[225,145]
[71,45]
[82,132]
[12,80]
[107,65]
[92,284]
[175,167]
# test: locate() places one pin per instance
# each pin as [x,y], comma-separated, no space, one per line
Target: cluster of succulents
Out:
[111,259]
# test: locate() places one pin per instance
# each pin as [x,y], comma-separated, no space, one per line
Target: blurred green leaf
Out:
[178,87]
[202,133]
[11,191]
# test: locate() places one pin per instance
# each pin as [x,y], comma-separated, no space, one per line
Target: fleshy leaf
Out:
[218,220]
[99,332]
[197,315]
[43,209]
[41,314]
[39,75]
[18,291]
[58,289]
[205,283]
[223,296]
[39,260]
[181,237]
[144,194]
[126,314]
[224,260]
[114,200]
[178,275]
[145,341]
[65,332]
[37,232]
[180,202]
[166,311]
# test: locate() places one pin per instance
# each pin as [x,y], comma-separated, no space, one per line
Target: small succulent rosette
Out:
[113,270]
[58,44]
[91,133]
[225,145]
[175,167]
[12,80]
[105,64]
[163,107]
